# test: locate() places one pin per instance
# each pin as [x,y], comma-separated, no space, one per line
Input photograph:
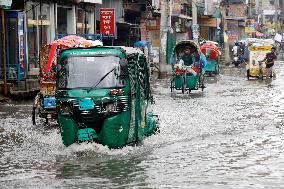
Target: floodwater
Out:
[228,136]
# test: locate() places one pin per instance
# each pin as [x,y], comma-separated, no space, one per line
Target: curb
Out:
[4,99]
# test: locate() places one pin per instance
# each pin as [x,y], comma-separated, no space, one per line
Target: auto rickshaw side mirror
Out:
[58,67]
[123,62]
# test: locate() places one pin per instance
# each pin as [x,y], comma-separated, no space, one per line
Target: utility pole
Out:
[276,16]
[249,9]
[225,33]
[195,26]
[163,38]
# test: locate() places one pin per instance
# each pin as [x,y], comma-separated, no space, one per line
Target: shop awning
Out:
[119,21]
[235,18]
[182,16]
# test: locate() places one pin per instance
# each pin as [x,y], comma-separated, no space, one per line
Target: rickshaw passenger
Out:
[236,49]
[269,58]
[188,59]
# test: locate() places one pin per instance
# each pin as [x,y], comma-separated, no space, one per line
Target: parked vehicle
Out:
[186,78]
[257,52]
[212,53]
[104,96]
[236,60]
[44,103]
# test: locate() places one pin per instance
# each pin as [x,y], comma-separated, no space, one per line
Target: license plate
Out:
[86,104]
[49,102]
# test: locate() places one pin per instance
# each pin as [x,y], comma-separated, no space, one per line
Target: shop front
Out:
[29,25]
[13,63]
[208,28]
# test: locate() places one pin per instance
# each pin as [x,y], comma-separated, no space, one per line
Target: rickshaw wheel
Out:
[183,86]
[33,116]
[171,86]
[217,69]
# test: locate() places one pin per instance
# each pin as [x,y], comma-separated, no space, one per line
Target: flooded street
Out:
[228,136]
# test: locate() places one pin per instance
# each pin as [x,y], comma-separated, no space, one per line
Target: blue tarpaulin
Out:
[141,43]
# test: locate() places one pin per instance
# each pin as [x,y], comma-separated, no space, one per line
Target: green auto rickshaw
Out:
[187,78]
[103,95]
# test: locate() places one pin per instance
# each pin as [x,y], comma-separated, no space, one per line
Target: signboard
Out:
[107,22]
[5,4]
[250,29]
[278,37]
[177,6]
[153,24]
[232,35]
[38,22]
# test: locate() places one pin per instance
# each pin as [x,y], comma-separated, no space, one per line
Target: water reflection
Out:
[228,136]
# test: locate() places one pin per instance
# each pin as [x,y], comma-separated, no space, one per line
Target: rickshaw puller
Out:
[269,58]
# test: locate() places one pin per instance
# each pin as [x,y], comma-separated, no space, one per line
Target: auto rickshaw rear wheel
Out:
[261,75]
[248,75]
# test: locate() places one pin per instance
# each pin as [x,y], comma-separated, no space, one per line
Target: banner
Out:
[250,29]
[5,4]
[107,22]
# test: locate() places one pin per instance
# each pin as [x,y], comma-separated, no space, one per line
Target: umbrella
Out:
[141,43]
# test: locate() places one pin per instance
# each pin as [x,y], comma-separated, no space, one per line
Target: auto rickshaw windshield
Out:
[84,72]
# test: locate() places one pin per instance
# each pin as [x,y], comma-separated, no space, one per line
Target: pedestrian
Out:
[269,61]
[236,49]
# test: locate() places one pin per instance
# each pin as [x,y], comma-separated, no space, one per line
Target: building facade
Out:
[29,25]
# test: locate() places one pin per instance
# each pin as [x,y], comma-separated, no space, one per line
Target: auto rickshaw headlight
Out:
[65,109]
[114,92]
[110,107]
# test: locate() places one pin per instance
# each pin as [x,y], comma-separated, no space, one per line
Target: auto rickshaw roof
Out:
[131,50]
[93,51]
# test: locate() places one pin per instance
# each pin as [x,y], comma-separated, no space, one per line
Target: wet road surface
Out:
[228,136]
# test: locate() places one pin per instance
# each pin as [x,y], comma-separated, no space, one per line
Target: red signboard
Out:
[107,22]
